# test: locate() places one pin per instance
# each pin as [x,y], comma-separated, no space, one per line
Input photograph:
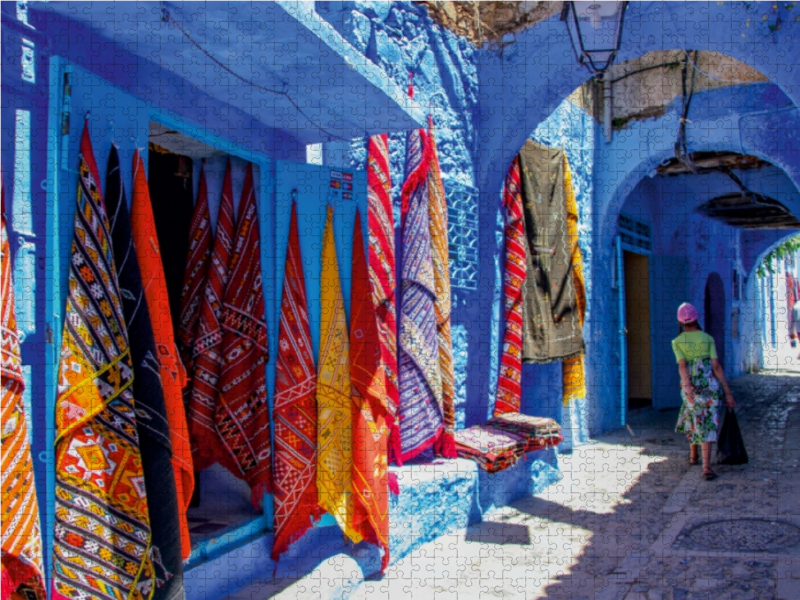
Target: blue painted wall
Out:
[516,96]
[686,247]
[411,48]
[484,106]
[402,40]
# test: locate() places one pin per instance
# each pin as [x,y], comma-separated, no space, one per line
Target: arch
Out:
[635,152]
[541,71]
[750,350]
[763,254]
[521,88]
[634,155]
[614,186]
[714,311]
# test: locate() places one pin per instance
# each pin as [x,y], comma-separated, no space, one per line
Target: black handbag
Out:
[730,445]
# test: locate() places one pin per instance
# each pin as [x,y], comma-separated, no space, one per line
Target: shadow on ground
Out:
[654,467]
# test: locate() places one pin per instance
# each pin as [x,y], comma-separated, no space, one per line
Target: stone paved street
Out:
[631,520]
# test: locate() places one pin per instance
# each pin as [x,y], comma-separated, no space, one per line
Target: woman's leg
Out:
[694,454]
[707,458]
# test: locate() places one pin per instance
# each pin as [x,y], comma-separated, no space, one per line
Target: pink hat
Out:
[687,313]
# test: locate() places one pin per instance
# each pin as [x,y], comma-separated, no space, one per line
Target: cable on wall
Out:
[168,18]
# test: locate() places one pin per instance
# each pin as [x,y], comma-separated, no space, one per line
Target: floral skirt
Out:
[699,420]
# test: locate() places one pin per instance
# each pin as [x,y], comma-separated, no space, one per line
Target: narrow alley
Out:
[632,520]
[399,299]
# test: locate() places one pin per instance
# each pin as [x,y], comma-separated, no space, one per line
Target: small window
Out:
[314,154]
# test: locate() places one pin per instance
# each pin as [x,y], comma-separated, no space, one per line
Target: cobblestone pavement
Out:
[632,520]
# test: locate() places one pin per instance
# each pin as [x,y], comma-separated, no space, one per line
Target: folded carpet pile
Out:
[538,432]
[493,449]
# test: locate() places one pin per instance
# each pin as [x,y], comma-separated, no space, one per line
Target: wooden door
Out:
[637,314]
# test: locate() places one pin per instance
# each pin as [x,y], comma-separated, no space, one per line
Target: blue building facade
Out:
[261,82]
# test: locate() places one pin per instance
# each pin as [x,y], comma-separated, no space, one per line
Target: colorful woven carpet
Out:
[380,223]
[21,572]
[242,415]
[207,448]
[421,420]
[173,375]
[551,324]
[572,369]
[509,381]
[102,529]
[152,423]
[494,450]
[295,409]
[334,418]
[440,254]
[538,432]
[195,277]
[370,433]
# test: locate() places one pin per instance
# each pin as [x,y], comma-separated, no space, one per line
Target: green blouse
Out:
[693,345]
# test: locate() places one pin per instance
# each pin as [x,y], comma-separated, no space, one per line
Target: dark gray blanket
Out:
[152,425]
[551,323]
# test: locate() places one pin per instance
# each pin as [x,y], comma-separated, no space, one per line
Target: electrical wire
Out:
[642,70]
[681,148]
[676,64]
[168,18]
[710,76]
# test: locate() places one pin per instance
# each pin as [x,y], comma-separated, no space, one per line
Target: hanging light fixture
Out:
[597,29]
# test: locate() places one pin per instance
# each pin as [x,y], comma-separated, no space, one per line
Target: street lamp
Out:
[597,27]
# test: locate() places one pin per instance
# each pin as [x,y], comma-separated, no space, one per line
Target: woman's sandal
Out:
[710,475]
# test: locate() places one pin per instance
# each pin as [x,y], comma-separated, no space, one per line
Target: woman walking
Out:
[702,377]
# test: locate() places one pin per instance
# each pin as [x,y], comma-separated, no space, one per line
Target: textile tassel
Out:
[370,434]
[152,424]
[207,358]
[394,485]
[334,418]
[173,375]
[98,465]
[242,411]
[195,277]
[572,370]
[440,255]
[421,421]
[382,267]
[295,409]
[21,571]
[509,387]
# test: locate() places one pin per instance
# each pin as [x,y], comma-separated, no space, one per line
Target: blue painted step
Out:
[434,499]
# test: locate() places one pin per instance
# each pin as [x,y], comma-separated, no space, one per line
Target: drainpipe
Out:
[607,122]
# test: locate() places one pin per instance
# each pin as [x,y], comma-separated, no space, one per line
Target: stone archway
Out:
[528,84]
[527,91]
[749,352]
[614,189]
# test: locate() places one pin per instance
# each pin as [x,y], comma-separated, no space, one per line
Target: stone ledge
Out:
[435,499]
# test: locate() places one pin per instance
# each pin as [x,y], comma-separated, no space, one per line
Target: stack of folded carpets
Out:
[493,449]
[538,432]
